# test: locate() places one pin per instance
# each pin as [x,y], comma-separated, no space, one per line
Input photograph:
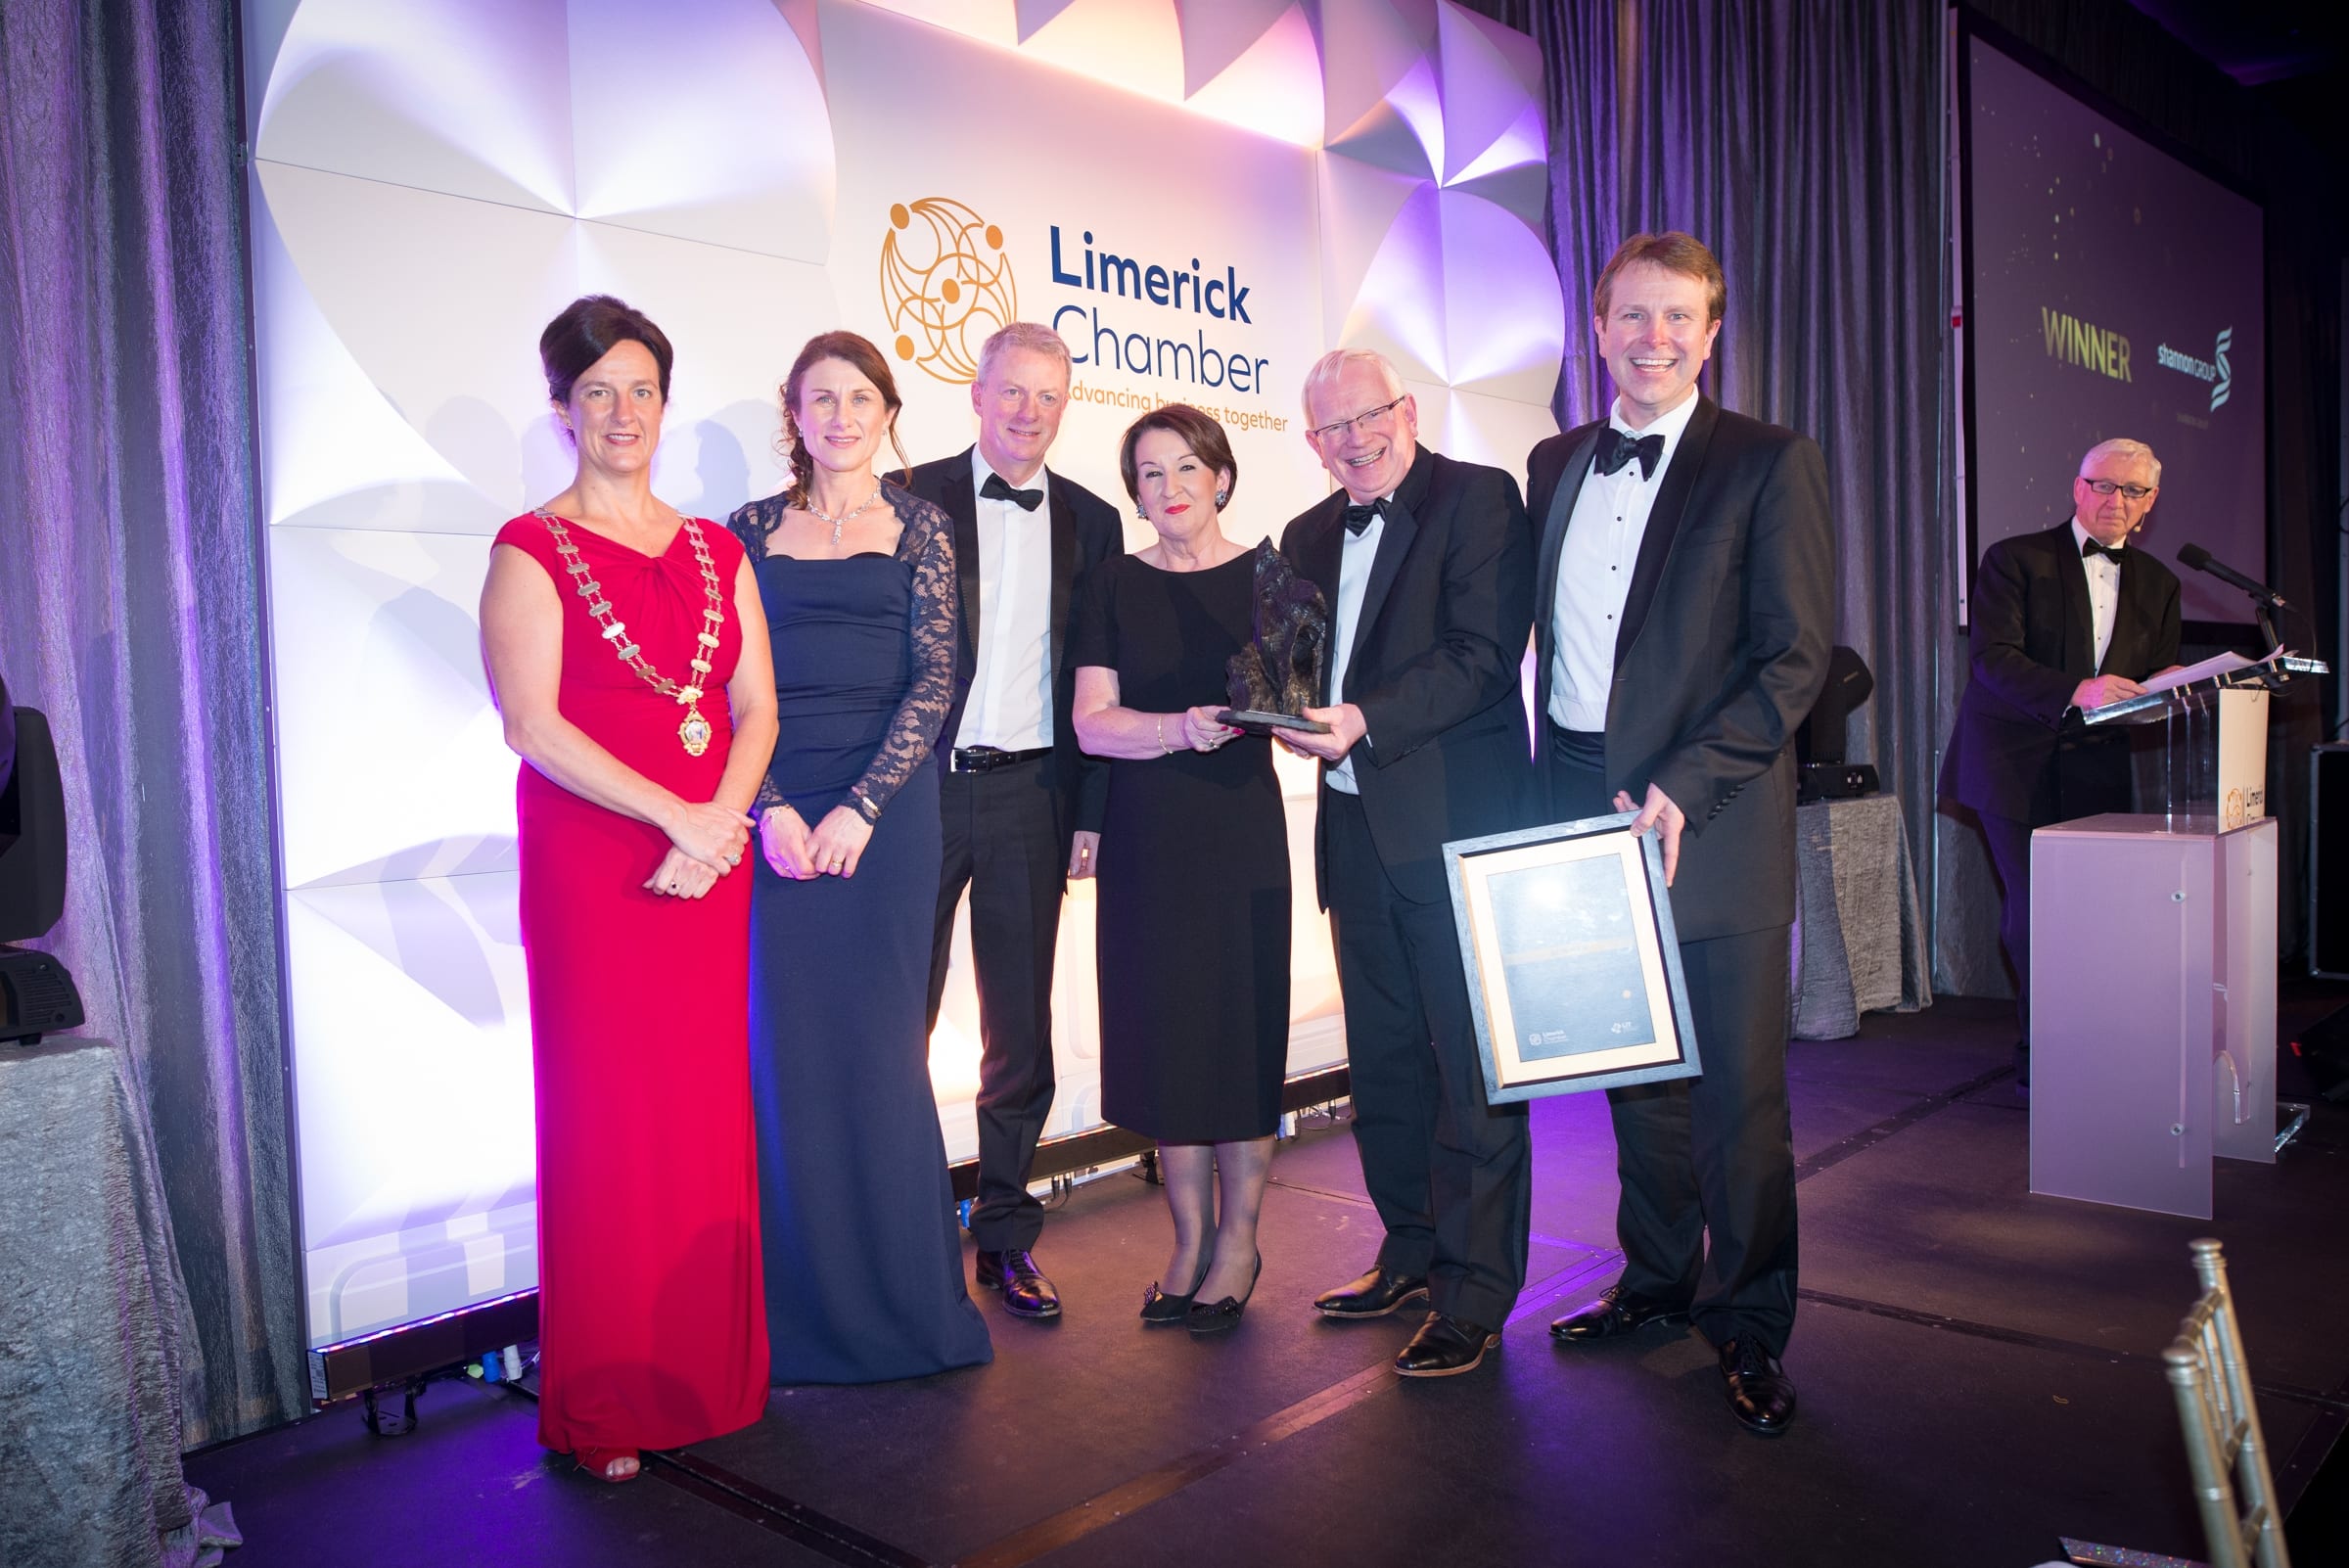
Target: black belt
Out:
[987,758]
[1581,748]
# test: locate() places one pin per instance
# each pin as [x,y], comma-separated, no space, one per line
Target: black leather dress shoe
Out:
[1374,1295]
[1027,1293]
[1761,1394]
[1616,1312]
[1446,1347]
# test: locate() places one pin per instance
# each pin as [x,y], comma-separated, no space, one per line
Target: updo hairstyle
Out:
[589,328]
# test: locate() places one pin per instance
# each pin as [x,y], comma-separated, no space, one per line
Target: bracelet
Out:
[1164,750]
[865,808]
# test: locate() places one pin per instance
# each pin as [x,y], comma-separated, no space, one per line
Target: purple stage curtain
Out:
[1801,140]
[131,613]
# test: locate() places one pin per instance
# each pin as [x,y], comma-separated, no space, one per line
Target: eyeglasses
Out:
[2135,493]
[1363,423]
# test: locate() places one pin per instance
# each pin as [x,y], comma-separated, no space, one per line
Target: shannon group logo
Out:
[2214,370]
[946,286]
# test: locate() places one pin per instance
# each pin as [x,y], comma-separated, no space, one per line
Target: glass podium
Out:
[2153,959]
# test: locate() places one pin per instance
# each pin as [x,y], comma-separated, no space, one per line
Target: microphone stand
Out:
[2271,640]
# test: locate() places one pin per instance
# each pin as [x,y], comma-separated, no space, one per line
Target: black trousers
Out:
[1706,1216]
[1451,1175]
[2009,843]
[1001,842]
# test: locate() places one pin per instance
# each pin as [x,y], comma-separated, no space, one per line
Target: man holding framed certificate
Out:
[1685,599]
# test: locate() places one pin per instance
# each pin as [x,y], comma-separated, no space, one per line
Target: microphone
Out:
[2197,558]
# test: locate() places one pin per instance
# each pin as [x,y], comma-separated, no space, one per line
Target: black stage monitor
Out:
[36,994]
[1818,746]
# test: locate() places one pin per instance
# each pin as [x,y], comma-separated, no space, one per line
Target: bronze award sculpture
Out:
[1279,676]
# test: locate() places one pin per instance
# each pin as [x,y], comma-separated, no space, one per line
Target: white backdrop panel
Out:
[443,94]
[391,763]
[435,178]
[413,1093]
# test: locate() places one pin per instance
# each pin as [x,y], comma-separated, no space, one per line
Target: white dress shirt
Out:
[1594,574]
[1010,705]
[2104,590]
[1356,552]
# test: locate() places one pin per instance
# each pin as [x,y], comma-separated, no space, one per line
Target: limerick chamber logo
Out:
[946,286]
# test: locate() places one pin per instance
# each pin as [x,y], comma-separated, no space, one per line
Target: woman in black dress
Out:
[1193,886]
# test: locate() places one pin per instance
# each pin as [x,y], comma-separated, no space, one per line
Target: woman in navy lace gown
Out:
[864,1263]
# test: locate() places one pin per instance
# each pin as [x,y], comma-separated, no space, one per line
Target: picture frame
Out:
[1573,965]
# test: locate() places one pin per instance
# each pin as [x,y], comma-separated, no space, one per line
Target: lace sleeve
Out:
[751,525]
[927,545]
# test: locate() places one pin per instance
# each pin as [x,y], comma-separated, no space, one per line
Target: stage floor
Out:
[1979,1373]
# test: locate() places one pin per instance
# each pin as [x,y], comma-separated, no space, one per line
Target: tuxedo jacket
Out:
[1722,650]
[1085,531]
[2032,640]
[1434,669]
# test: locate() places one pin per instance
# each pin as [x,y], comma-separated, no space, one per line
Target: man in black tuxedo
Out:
[1425,564]
[1022,804]
[2061,621]
[1685,602]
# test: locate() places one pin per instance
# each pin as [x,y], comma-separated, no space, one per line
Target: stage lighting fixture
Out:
[1821,774]
[36,995]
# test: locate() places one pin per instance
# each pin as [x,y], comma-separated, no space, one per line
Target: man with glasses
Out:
[1427,566]
[2061,621]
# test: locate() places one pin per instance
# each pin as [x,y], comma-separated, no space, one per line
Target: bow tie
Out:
[1357,516]
[1615,449]
[2110,552]
[994,489]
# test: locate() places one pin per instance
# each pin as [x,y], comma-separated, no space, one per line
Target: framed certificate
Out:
[1574,971]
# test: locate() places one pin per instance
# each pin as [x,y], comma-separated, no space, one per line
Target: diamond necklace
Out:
[694,733]
[838,523]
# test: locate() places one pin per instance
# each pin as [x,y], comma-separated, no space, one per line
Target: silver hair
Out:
[1032,336]
[2123,446]
[1331,365]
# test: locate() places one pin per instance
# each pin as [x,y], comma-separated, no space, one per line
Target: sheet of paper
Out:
[2225,664]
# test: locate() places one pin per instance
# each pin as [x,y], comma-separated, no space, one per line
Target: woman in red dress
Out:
[627,653]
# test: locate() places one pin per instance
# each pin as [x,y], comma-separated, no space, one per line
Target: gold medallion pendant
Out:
[695,732]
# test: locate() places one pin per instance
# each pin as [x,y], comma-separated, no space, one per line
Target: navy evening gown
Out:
[864,1267]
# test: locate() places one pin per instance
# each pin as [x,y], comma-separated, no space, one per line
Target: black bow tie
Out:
[1615,449]
[994,489]
[1357,516]
[2110,552]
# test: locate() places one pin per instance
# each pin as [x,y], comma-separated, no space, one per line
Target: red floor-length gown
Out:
[652,1323]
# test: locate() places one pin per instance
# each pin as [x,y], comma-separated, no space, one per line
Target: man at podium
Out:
[2061,621]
